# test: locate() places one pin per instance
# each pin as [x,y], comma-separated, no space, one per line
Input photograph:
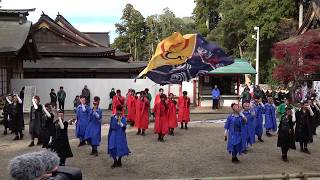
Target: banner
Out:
[205,57]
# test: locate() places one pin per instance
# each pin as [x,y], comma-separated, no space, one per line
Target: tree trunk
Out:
[135,49]
[300,13]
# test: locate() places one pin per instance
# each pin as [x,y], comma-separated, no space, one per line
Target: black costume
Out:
[303,130]
[35,122]
[17,124]
[53,99]
[47,129]
[7,123]
[286,136]
[60,142]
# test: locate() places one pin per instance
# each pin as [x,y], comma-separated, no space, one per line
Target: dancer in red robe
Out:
[172,114]
[157,99]
[131,107]
[184,110]
[117,100]
[161,121]
[142,113]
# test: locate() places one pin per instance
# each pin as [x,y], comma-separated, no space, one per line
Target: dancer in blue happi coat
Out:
[233,129]
[250,125]
[270,116]
[93,131]
[258,108]
[82,120]
[117,139]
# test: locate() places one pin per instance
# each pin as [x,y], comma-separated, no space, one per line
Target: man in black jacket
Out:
[53,98]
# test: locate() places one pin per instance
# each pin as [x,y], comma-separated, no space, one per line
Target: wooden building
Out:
[68,53]
[16,45]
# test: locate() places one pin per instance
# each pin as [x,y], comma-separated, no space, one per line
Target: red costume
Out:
[161,118]
[172,114]
[117,100]
[142,113]
[184,109]
[156,100]
[131,106]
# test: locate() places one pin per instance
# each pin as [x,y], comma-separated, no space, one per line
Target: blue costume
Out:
[250,127]
[258,111]
[235,128]
[82,121]
[93,131]
[270,114]
[117,139]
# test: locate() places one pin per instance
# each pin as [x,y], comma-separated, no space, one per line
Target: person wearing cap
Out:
[161,118]
[286,134]
[111,94]
[82,120]
[233,128]
[117,100]
[316,117]
[258,108]
[59,140]
[33,166]
[172,114]
[142,114]
[117,138]
[249,128]
[93,131]
[270,116]
[184,110]
[303,129]
[36,113]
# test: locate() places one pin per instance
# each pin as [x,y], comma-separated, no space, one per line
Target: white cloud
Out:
[98,8]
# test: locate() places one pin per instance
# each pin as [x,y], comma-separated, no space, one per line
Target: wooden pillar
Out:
[238,84]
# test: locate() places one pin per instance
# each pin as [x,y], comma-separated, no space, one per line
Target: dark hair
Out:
[52,89]
[77,96]
[185,93]
[96,98]
[171,94]
[160,89]
[37,98]
[246,101]
[233,104]
[163,96]
[47,105]
[61,87]
[142,93]
[23,88]
[288,108]
[119,107]
[269,95]
[82,96]
[118,91]
[146,90]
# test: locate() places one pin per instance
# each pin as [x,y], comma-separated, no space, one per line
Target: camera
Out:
[66,173]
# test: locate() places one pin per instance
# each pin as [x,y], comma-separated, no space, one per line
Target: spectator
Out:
[22,93]
[246,96]
[76,103]
[53,98]
[61,98]
[35,165]
[215,97]
[86,94]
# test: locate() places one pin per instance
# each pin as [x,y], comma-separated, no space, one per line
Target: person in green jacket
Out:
[245,96]
[61,98]
[149,97]
[282,108]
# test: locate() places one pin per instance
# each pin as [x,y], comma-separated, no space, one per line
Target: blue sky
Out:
[98,15]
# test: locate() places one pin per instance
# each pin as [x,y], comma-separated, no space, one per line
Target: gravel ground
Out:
[197,152]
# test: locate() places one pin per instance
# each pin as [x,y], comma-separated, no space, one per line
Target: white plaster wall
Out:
[97,87]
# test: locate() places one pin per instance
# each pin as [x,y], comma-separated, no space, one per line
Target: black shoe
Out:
[16,138]
[172,134]
[260,139]
[92,153]
[82,144]
[181,126]
[245,151]
[268,134]
[284,158]
[61,164]
[235,160]
[11,132]
[95,153]
[119,164]
[114,165]
[138,133]
[306,150]
[31,144]
[143,133]
[39,143]
[21,136]
[186,127]
[5,132]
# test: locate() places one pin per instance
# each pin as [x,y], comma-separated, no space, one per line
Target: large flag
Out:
[180,58]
